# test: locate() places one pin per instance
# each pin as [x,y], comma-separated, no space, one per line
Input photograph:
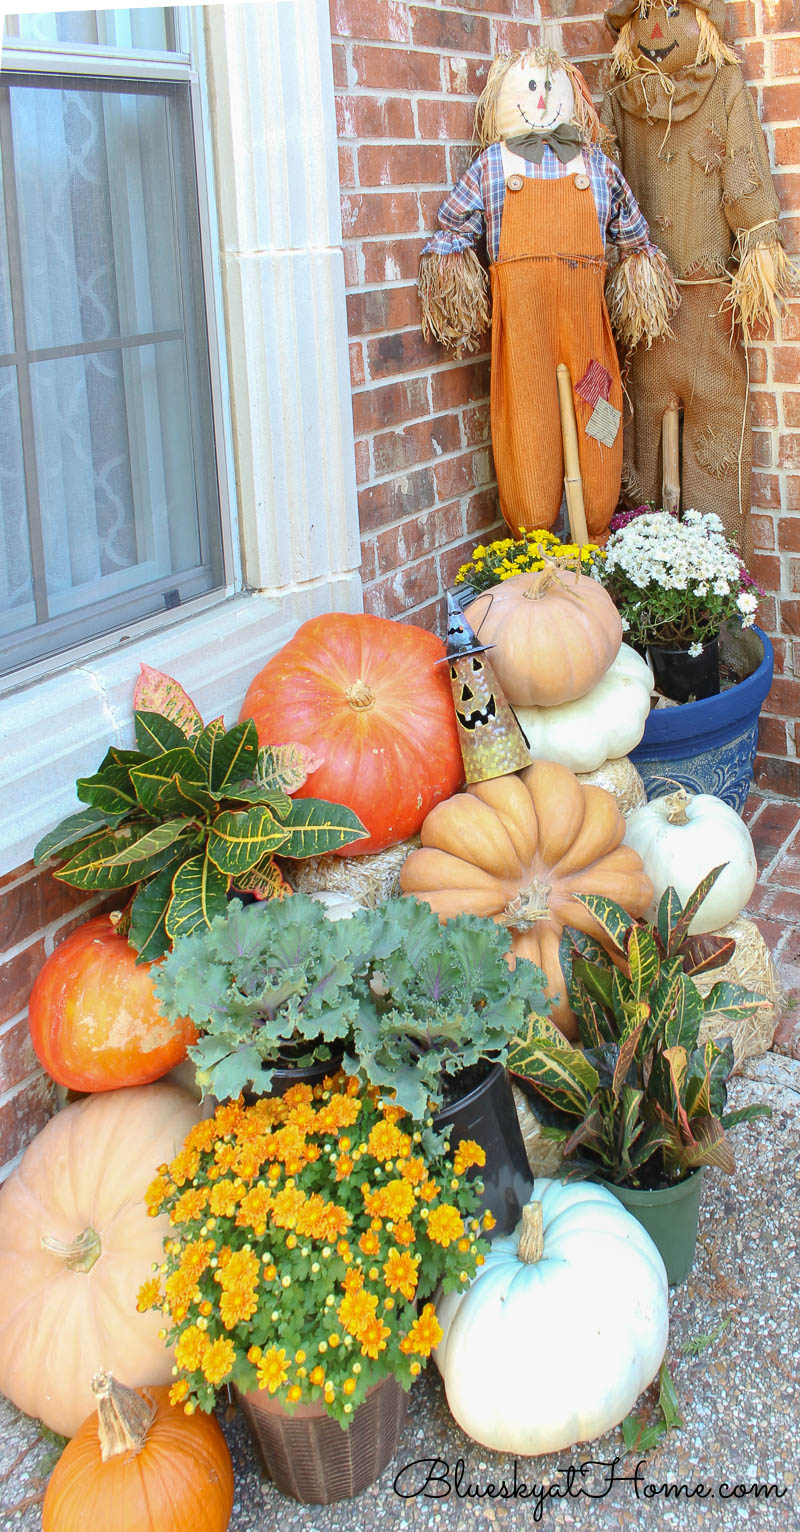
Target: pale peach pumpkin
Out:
[517,849]
[76,1244]
[553,633]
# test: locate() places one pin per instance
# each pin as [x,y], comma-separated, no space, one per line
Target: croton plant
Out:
[192,810]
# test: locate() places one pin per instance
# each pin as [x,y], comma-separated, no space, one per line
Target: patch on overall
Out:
[595,383]
[741,177]
[603,423]
[715,455]
[708,149]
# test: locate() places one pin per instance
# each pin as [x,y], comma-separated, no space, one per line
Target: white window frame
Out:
[275,248]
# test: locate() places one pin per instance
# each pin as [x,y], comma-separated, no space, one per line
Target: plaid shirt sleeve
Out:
[461,215]
[626,226]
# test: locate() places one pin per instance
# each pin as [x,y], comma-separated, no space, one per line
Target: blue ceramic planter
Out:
[709,746]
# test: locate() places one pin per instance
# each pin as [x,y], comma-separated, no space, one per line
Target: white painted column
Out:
[273,129]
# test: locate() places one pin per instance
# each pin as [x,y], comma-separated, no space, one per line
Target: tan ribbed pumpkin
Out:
[554,634]
[517,849]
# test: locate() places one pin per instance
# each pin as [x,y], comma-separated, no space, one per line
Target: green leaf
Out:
[668,1400]
[732,1001]
[249,792]
[561,1074]
[680,1022]
[639,1437]
[630,1123]
[265,880]
[109,790]
[700,1343]
[229,1071]
[232,755]
[156,734]
[285,768]
[746,1114]
[157,784]
[669,912]
[237,839]
[643,961]
[702,954]
[76,828]
[96,864]
[149,844]
[680,927]
[627,1053]
[156,692]
[205,742]
[613,920]
[316,827]
[199,892]
[597,979]
[148,929]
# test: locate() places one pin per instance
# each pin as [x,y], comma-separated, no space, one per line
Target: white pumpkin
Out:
[561,1330]
[605,724]
[680,838]
[337,906]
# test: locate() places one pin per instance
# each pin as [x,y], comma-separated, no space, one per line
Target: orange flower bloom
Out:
[344,1166]
[189,1206]
[201,1137]
[236,1306]
[395,1200]
[178,1391]
[272,1369]
[369,1243]
[386,1142]
[425,1333]
[191,1347]
[218,1360]
[322,1220]
[445,1224]
[254,1207]
[184,1167]
[149,1295]
[195,1258]
[156,1192]
[373,1337]
[356,1310]
[286,1207]
[224,1199]
[403,1233]
[468,1153]
[415,1171]
[353,1279]
[400,1272]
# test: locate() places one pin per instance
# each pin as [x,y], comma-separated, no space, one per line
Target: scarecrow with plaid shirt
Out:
[548,199]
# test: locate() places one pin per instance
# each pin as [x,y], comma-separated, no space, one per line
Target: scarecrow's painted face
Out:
[472,693]
[665,34]
[533,96]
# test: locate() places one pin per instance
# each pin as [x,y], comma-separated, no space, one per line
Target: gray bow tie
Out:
[564,140]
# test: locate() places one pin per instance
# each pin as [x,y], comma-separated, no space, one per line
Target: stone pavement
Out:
[775,904]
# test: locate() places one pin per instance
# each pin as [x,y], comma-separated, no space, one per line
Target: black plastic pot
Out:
[293,1074]
[683,676]
[489,1116]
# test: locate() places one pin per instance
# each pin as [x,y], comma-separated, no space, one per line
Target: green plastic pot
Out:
[670,1216]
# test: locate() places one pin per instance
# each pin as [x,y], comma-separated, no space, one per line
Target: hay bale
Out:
[752,967]
[367,879]
[621,779]
[544,1155]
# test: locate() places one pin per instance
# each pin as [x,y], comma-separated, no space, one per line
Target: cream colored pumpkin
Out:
[680,838]
[604,724]
[336,906]
[76,1244]
[553,634]
[563,1327]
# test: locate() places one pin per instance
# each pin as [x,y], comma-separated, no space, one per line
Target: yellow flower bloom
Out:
[468,1153]
[189,1206]
[191,1347]
[356,1311]
[425,1333]
[286,1207]
[149,1295]
[273,1369]
[386,1142]
[218,1360]
[254,1208]
[224,1199]
[400,1271]
[156,1193]
[178,1392]
[237,1306]
[373,1337]
[369,1243]
[395,1200]
[445,1224]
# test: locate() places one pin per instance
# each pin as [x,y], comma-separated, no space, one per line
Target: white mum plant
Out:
[676,581]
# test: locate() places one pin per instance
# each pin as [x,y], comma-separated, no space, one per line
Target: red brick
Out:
[476,425]
[790,617]
[763,531]
[790,322]
[758,364]
[24,1115]
[390,308]
[771,931]
[459,159]
[406,588]
[416,536]
[396,69]
[17,1058]
[450,562]
[449,30]
[347,171]
[781,102]
[15,875]
[776,776]
[385,20]
[751,55]
[392,260]
[766,570]
[789,533]
[369,567]
[787,364]
[772,829]
[462,383]
[768,614]
[781,16]
[787,1032]
[764,409]
[445,119]
[497,7]
[786,56]
[789,451]
[429,204]
[403,165]
[397,450]
[407,352]
[352,274]
[595,72]
[787,146]
[772,736]
[791,409]
[787,185]
[366,213]
[16,979]
[363,471]
[30,907]
[753,807]
[366,117]
[584,39]
[339,53]
[381,504]
[462,475]
[792,493]
[740,19]
[464,76]
[765,490]
[357,373]
[762,449]
[791,234]
[377,407]
[513,35]
[482,513]
[784,698]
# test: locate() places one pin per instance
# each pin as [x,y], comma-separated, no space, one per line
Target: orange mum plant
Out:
[309,1231]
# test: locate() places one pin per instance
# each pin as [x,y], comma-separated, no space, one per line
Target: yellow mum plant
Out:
[310,1231]
[508,556]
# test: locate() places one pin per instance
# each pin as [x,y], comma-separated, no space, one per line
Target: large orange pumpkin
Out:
[94,1016]
[517,849]
[140,1464]
[76,1244]
[554,634]
[368,697]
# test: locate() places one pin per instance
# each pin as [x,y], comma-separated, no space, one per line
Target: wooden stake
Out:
[573,483]
[670,457]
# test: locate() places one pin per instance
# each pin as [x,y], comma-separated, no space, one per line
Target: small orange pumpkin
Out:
[141,1464]
[517,849]
[553,633]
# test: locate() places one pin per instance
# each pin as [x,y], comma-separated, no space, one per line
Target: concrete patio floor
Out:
[740,1399]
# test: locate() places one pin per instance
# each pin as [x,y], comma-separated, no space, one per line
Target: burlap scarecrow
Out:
[548,198]
[690,143]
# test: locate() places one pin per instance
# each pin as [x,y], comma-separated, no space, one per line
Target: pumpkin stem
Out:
[531,1241]
[360,696]
[124,1417]
[78,1254]
[551,575]
[677,803]
[528,906]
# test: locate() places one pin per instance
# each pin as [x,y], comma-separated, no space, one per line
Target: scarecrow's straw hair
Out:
[584,115]
[710,48]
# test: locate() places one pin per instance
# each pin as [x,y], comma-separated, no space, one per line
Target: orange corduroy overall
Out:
[548,307]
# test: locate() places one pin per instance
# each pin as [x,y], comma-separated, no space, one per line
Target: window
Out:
[111,504]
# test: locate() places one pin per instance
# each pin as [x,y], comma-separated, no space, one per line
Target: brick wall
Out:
[407,77]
